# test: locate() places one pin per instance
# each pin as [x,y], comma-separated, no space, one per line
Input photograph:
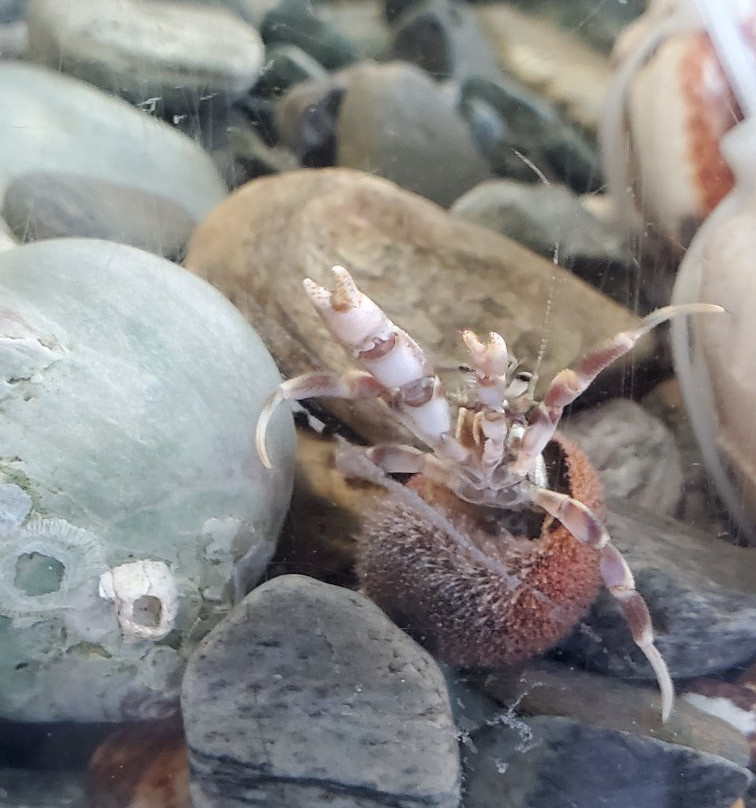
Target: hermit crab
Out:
[495,548]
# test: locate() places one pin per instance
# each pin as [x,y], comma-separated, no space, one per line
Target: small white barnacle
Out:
[46,566]
[145,597]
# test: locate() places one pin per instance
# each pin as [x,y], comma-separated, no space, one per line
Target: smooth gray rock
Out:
[394,121]
[634,453]
[47,204]
[133,508]
[699,591]
[545,687]
[285,66]
[26,788]
[306,118]
[531,129]
[296,22]
[57,123]
[308,695]
[551,220]
[444,39]
[559,763]
[170,54]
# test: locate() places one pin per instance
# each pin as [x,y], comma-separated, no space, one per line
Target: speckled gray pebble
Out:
[167,53]
[53,122]
[136,511]
[47,204]
[549,762]
[634,453]
[699,591]
[307,695]
[425,135]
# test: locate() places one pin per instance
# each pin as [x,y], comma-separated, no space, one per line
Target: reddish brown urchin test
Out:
[476,595]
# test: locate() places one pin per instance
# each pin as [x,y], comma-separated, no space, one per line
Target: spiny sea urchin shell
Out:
[468,581]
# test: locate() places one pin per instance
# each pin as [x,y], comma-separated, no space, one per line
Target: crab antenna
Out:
[570,383]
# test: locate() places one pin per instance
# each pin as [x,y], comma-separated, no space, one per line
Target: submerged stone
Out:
[134,509]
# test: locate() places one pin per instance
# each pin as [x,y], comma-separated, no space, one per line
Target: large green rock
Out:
[133,509]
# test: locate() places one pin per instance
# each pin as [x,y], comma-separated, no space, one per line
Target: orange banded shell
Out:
[509,597]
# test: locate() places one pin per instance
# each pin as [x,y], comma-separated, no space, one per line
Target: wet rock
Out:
[285,66]
[296,22]
[432,273]
[141,765]
[546,762]
[307,694]
[596,24]
[699,591]
[171,53]
[533,136]
[634,453]
[135,511]
[306,116]
[699,506]
[553,62]
[14,39]
[424,132]
[46,204]
[7,240]
[325,517]
[732,702]
[24,788]
[252,157]
[545,687]
[443,38]
[552,221]
[56,123]
[363,24]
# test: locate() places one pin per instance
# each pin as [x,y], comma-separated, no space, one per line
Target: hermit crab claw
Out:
[490,358]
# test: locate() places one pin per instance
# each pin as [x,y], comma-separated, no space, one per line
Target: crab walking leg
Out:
[570,383]
[393,459]
[387,352]
[354,384]
[586,528]
[620,582]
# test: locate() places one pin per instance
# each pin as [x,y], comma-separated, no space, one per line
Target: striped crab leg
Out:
[397,369]
[570,383]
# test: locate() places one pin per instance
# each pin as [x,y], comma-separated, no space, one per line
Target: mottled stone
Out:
[306,116]
[551,220]
[534,140]
[46,204]
[545,687]
[307,694]
[699,506]
[285,66]
[55,123]
[170,53]
[141,765]
[362,22]
[546,762]
[135,508]
[26,788]
[634,453]
[699,591]
[444,39]
[552,61]
[394,121]
[597,24]
[432,273]
[253,157]
[296,22]
[325,517]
